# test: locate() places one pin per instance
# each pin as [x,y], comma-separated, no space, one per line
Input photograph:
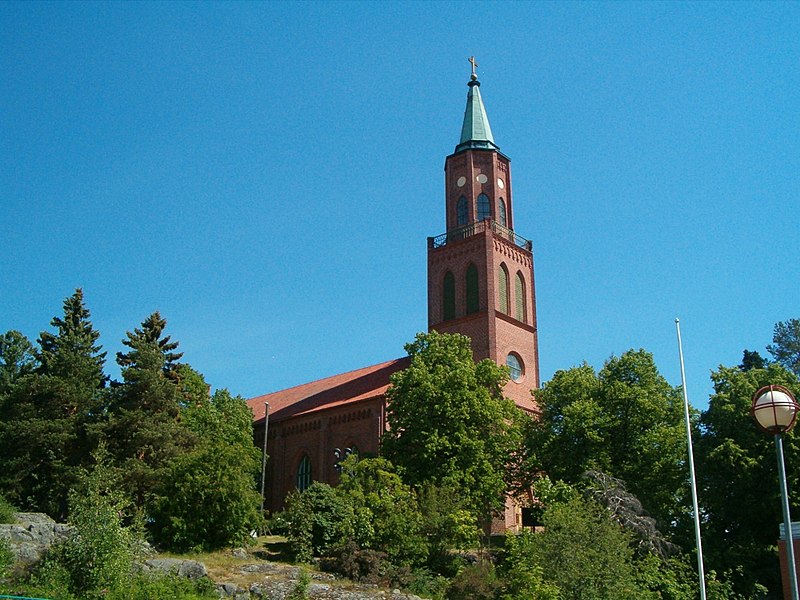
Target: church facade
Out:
[480,284]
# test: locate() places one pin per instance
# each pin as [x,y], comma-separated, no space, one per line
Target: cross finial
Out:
[474,76]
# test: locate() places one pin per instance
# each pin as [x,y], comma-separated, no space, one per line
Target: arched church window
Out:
[519,293]
[484,210]
[515,366]
[473,302]
[449,297]
[503,219]
[304,473]
[462,211]
[503,289]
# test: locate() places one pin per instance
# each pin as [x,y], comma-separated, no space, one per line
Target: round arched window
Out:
[515,366]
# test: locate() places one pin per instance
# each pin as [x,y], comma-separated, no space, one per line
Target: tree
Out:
[386,511]
[626,421]
[17,359]
[49,410]
[737,472]
[583,553]
[144,429]
[449,424]
[752,360]
[208,499]
[785,347]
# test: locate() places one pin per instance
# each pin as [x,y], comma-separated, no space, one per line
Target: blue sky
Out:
[266,174]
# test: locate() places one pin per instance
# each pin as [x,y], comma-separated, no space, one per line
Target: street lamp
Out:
[775,411]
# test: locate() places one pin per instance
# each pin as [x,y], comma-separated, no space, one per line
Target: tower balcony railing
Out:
[471,229]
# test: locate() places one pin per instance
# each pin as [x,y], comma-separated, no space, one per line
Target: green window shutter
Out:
[519,292]
[473,299]
[503,289]
[449,296]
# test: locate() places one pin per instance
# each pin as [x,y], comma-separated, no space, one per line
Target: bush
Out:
[6,511]
[477,582]
[6,559]
[208,501]
[319,519]
[364,566]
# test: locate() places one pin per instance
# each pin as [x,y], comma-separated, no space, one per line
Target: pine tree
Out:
[49,412]
[144,431]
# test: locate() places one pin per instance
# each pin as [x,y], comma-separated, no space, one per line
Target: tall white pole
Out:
[692,479]
[264,454]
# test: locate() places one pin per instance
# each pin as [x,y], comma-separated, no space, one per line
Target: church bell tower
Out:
[480,272]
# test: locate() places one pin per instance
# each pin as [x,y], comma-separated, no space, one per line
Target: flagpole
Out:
[692,479]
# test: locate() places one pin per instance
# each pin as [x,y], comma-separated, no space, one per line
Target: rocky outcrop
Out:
[32,535]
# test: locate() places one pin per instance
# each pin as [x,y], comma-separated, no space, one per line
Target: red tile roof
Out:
[361,384]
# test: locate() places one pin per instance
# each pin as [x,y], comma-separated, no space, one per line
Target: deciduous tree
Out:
[449,423]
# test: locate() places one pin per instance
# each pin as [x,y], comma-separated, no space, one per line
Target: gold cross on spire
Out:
[474,64]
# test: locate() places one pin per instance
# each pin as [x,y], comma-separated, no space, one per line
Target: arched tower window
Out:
[449,297]
[484,210]
[503,219]
[462,211]
[473,299]
[519,293]
[304,473]
[503,289]
[516,367]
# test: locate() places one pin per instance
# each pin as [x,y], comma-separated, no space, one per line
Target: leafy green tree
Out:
[49,410]
[387,516]
[319,519]
[584,553]
[99,553]
[450,425]
[144,429]
[626,421]
[785,347]
[523,578]
[738,481]
[208,499]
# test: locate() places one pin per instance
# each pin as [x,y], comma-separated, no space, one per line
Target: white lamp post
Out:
[775,411]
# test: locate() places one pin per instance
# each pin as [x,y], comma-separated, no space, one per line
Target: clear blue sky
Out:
[266,174]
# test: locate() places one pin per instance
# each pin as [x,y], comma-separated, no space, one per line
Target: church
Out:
[480,284]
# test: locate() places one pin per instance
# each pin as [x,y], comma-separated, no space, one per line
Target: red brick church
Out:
[480,284]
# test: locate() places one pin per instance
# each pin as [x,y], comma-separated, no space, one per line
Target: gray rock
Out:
[240,553]
[30,517]
[191,569]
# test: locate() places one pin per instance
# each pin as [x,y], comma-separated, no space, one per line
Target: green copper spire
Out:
[475,132]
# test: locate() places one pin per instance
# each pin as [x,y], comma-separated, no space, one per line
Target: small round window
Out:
[515,366]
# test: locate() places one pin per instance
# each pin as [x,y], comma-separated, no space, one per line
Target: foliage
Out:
[737,471]
[48,409]
[477,582]
[522,577]
[319,518]
[219,474]
[584,553]
[626,510]
[17,358]
[6,558]
[449,424]
[386,513]
[300,589]
[752,360]
[785,347]
[99,552]
[144,431]
[7,511]
[626,421]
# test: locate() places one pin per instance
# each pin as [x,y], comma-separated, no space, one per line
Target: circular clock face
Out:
[461,181]
[482,178]
[500,183]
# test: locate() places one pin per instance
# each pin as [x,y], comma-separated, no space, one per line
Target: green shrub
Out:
[319,519]
[300,589]
[6,511]
[6,559]
[476,582]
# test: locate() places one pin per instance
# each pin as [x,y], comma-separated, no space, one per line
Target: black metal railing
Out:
[466,231]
